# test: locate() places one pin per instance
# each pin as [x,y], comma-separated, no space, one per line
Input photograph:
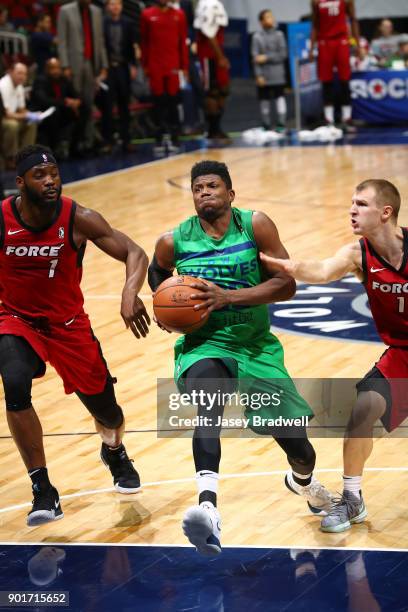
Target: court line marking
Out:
[234,546]
[193,479]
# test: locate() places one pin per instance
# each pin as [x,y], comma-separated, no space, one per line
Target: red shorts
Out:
[214,78]
[393,366]
[71,348]
[334,52]
[161,84]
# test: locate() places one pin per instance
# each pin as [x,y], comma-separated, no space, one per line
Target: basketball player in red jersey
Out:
[163,41]
[43,237]
[331,32]
[380,260]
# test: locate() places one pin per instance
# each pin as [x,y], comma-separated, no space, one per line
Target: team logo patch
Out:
[338,310]
[61,232]
[45,158]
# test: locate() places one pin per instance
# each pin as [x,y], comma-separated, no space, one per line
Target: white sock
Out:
[207,481]
[346,113]
[281,109]
[329,114]
[352,484]
[301,477]
[265,108]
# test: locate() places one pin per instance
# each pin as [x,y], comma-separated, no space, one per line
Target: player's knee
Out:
[369,407]
[303,458]
[17,387]
[103,406]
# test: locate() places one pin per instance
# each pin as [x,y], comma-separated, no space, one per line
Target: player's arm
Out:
[315,26]
[162,264]
[279,286]
[355,29]
[90,225]
[348,259]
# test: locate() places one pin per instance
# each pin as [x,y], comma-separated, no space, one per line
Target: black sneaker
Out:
[46,506]
[125,477]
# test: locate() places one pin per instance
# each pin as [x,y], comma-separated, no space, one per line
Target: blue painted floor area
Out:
[152,579]
[74,170]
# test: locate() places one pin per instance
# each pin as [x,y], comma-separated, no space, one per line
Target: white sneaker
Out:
[318,498]
[202,526]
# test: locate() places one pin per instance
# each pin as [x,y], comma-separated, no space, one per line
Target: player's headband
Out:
[35,159]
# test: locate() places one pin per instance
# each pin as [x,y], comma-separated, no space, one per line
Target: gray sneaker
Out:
[346,510]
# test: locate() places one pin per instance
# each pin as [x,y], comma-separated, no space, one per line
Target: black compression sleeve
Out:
[156,274]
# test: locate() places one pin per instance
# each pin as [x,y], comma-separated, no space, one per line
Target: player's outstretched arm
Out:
[346,260]
[90,225]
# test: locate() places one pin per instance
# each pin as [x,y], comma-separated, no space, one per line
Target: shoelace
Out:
[338,504]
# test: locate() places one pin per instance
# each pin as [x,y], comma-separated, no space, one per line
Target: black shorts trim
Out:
[271,92]
[374,380]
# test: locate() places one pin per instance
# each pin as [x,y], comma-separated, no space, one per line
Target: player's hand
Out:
[274,264]
[261,59]
[134,314]
[213,297]
[260,81]
[160,325]
[223,62]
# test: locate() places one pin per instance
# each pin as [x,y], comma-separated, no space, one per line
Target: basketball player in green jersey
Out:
[221,245]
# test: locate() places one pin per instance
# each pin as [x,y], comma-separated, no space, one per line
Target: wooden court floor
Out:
[307,192]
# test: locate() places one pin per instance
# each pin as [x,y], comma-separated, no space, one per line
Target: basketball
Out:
[173,306]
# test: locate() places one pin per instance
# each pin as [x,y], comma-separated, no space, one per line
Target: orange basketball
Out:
[173,306]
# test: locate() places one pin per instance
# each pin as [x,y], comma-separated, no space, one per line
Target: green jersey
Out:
[230,262]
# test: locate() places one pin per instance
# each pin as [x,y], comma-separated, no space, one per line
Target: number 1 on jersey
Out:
[401,304]
[53,265]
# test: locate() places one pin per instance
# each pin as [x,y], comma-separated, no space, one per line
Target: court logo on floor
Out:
[338,310]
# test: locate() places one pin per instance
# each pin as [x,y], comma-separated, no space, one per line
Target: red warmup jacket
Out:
[163,40]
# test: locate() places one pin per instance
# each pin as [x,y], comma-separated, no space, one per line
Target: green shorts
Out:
[259,369]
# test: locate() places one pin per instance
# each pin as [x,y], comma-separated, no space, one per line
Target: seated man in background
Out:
[53,89]
[385,45]
[18,125]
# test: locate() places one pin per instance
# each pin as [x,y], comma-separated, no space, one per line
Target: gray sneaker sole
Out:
[346,525]
[43,516]
[126,491]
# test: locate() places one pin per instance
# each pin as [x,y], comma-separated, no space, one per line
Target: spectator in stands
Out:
[18,125]
[385,44]
[210,21]
[42,42]
[269,53]
[82,51]
[403,49]
[163,38]
[53,89]
[5,25]
[120,46]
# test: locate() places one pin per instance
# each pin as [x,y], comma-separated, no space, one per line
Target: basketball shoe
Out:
[317,496]
[125,477]
[202,526]
[346,510]
[46,506]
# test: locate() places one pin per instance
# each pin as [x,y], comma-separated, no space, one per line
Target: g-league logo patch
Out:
[337,310]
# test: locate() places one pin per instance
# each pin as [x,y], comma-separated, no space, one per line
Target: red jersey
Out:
[204,48]
[40,269]
[332,19]
[387,291]
[163,40]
